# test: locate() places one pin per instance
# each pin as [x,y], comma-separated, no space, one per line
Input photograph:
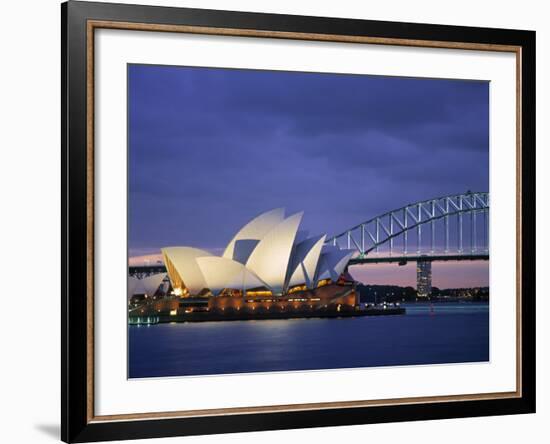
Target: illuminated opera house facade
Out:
[269,266]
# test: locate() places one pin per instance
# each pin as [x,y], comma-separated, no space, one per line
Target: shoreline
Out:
[218,317]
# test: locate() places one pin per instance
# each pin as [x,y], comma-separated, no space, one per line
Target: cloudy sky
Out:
[209,149]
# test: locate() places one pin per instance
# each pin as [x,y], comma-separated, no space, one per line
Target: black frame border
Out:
[75,424]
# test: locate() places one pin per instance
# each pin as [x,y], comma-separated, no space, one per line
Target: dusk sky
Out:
[209,149]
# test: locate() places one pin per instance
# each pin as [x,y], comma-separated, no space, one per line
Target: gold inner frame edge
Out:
[105,24]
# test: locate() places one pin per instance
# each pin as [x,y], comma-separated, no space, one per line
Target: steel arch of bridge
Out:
[384,229]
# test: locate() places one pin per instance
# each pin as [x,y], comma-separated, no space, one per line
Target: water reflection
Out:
[444,333]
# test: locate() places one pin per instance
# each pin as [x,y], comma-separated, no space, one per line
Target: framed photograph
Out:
[276,221]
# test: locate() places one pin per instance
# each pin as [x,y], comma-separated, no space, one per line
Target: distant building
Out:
[424,278]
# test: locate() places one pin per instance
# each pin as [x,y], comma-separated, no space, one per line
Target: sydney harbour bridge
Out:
[445,228]
[448,228]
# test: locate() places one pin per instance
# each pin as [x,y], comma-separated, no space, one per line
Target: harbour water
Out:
[438,334]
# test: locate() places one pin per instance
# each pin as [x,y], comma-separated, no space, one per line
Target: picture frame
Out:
[80,21]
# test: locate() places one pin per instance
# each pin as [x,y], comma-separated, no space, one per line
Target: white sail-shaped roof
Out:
[243,248]
[269,252]
[323,269]
[132,284]
[223,273]
[183,269]
[340,266]
[151,284]
[254,230]
[147,285]
[271,257]
[304,261]
[332,263]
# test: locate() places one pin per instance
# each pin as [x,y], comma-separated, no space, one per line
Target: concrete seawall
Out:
[218,317]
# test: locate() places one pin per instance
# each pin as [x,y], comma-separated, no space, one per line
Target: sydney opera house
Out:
[268,266]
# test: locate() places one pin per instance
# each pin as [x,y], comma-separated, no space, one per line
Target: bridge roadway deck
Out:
[414,258]
[158,268]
